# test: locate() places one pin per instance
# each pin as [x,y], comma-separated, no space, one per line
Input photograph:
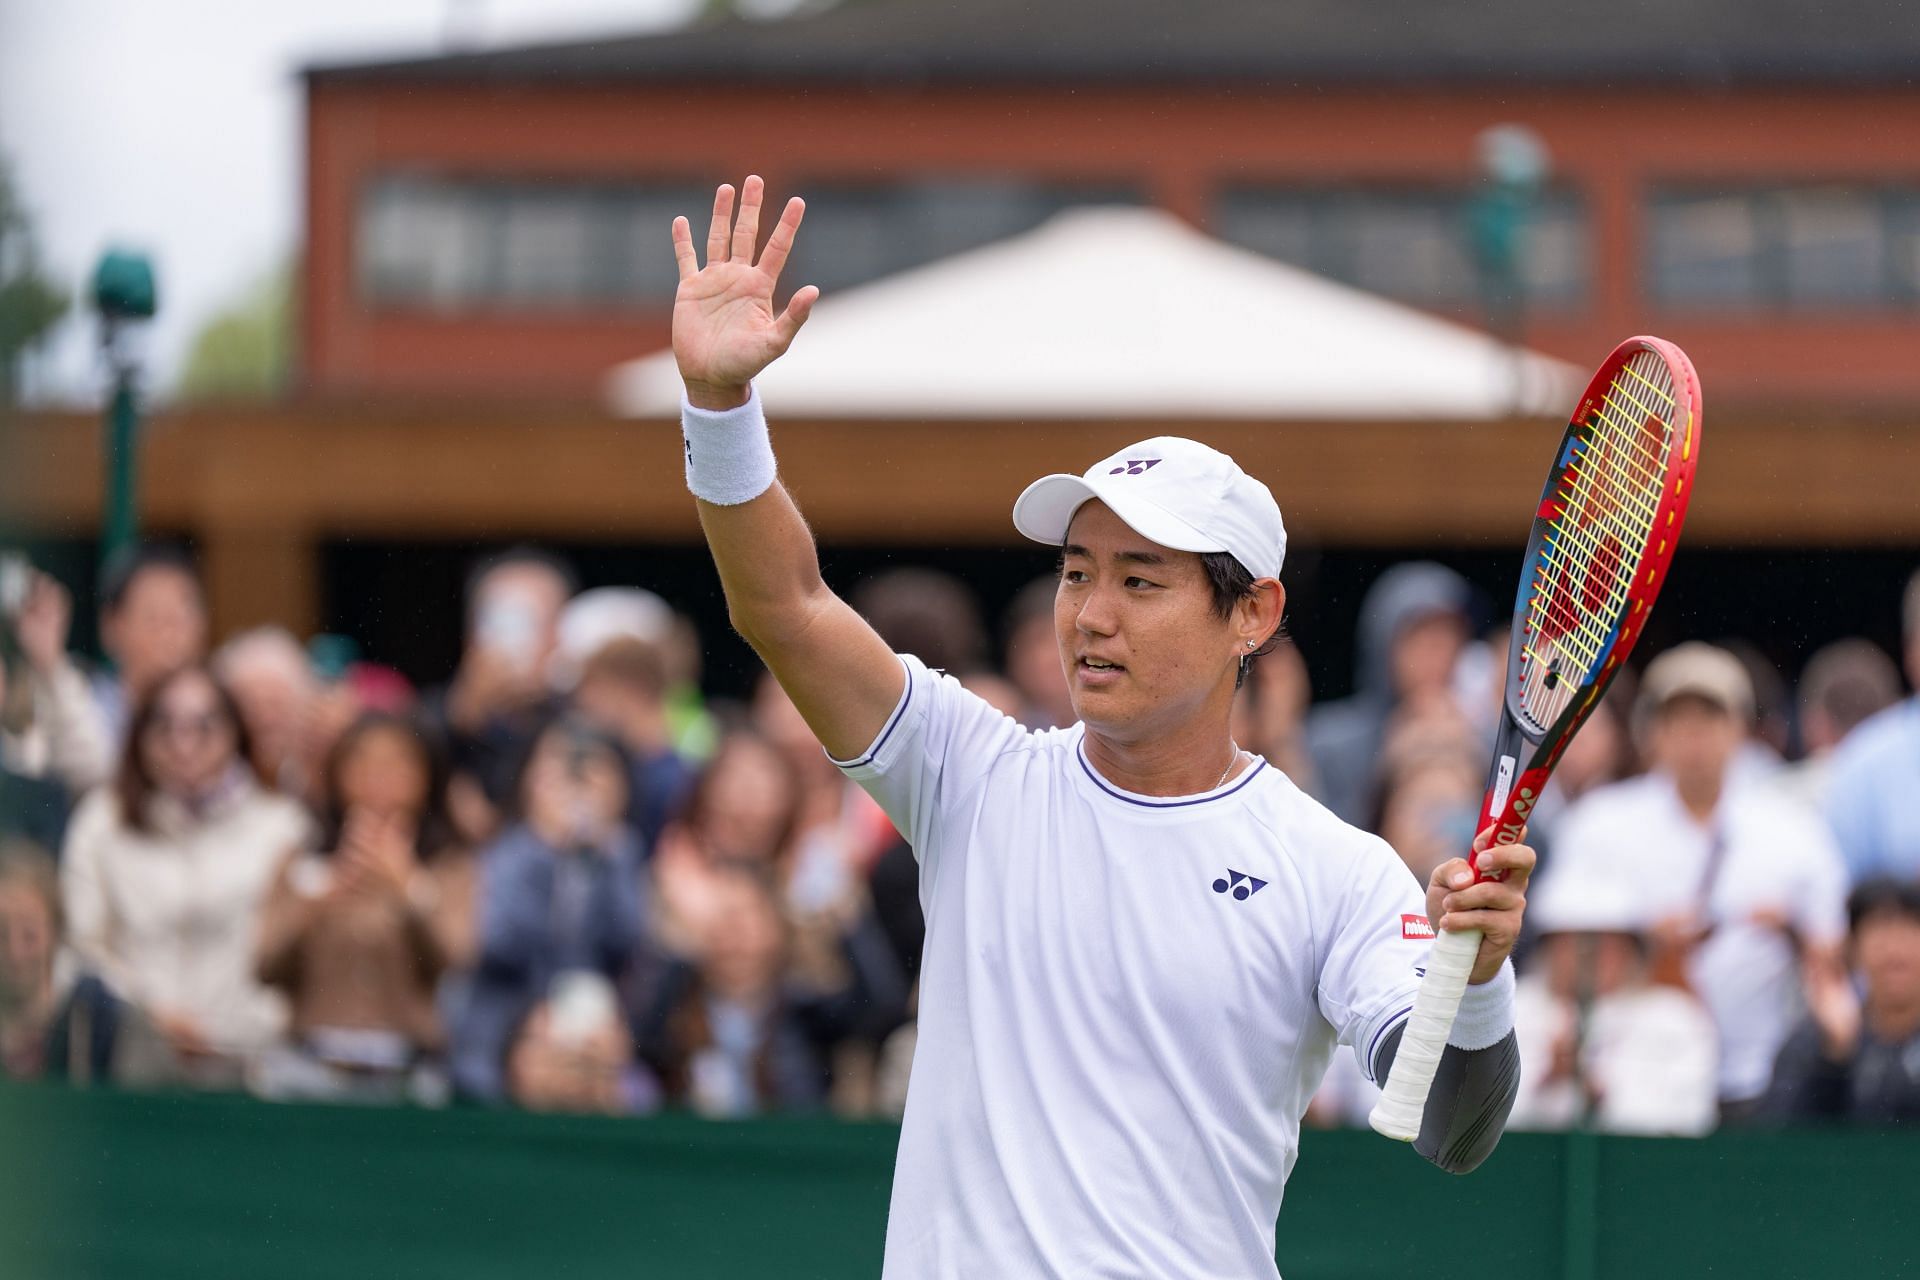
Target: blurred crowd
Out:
[565,881]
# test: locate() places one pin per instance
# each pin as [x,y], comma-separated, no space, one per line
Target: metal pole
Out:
[120,512]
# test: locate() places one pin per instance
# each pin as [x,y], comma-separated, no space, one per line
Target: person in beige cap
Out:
[1144,944]
[1741,889]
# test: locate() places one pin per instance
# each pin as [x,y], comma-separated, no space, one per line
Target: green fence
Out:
[152,1188]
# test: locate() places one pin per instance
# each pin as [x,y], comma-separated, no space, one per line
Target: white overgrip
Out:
[1404,1100]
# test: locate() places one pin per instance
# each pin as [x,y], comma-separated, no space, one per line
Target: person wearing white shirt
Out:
[1739,887]
[1601,1046]
[63,738]
[1143,944]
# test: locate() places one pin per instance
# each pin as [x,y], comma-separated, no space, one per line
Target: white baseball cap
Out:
[1178,493]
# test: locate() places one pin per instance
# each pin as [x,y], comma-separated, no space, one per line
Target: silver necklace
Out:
[1232,760]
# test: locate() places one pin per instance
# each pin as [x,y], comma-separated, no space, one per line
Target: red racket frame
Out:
[1509,802]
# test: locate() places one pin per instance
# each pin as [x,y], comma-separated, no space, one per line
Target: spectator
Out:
[1740,888]
[1600,754]
[164,874]
[575,1053]
[595,618]
[927,613]
[153,620]
[934,615]
[842,954]
[623,690]
[1413,627]
[1270,715]
[32,809]
[278,694]
[1764,752]
[560,890]
[745,808]
[695,729]
[1858,1058]
[1871,801]
[731,1040]
[1431,807]
[53,1022]
[359,934]
[1033,657]
[49,725]
[1843,685]
[754,807]
[1601,1046]
[500,696]
[839,831]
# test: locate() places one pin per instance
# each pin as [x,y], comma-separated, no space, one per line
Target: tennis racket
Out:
[1602,539]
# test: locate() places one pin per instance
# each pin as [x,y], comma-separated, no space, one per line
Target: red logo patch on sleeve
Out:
[1416,927]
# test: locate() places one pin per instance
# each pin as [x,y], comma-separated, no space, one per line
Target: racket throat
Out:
[1514,783]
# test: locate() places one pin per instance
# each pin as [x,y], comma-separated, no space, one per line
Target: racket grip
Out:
[1404,1100]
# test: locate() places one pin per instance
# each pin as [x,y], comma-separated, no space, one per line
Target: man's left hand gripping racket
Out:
[1602,539]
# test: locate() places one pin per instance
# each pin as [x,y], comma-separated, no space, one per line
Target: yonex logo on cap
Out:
[1135,466]
[1240,884]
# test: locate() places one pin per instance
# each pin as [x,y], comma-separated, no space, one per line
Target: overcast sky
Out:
[173,126]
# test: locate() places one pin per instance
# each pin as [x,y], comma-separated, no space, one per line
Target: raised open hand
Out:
[725,330]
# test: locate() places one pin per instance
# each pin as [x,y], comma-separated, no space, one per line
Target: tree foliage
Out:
[31,302]
[244,352]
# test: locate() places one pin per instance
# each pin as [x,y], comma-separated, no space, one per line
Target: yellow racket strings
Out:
[1592,551]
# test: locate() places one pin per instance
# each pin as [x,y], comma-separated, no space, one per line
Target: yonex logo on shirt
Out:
[1136,466]
[1240,884]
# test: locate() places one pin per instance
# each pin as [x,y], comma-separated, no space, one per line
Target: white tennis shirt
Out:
[1125,1001]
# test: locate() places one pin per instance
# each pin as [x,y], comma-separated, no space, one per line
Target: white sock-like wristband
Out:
[729,453]
[1486,1012]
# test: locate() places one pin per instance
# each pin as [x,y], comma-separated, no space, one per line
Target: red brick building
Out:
[1723,172]
[486,236]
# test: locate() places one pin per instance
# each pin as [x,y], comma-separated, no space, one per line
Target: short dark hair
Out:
[1882,896]
[128,563]
[1231,583]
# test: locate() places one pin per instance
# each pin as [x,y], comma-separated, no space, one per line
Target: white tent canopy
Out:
[1123,313]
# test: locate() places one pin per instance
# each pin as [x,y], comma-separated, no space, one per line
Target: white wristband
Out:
[1486,1012]
[729,454]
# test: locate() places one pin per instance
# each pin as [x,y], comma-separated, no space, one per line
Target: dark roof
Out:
[1688,42]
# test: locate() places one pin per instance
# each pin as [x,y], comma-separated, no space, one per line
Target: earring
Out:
[1253,644]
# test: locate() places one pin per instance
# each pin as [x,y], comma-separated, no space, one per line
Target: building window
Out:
[1416,244]
[454,244]
[1812,247]
[859,233]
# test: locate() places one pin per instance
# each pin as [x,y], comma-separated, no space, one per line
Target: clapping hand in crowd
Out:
[376,856]
[43,624]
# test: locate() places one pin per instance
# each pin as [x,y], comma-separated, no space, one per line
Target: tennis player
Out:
[1143,943]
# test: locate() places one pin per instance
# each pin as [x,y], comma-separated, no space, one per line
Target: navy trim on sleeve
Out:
[1373,1048]
[893,722]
